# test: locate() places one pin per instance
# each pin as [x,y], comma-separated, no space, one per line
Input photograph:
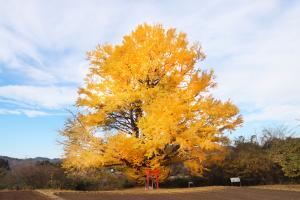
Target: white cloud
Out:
[9,112]
[263,73]
[28,113]
[48,97]
[34,113]
[252,45]
[279,113]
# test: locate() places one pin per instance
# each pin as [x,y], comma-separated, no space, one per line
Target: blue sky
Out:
[253,46]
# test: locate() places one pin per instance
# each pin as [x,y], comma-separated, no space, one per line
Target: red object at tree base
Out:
[149,173]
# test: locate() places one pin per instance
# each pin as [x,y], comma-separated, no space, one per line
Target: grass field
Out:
[273,192]
[295,188]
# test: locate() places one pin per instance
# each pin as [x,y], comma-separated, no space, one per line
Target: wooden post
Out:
[156,177]
[147,180]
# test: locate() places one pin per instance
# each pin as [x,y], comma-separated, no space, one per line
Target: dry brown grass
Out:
[53,194]
[141,190]
[173,190]
[295,188]
[50,194]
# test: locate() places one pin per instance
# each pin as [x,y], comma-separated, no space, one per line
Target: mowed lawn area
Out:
[202,193]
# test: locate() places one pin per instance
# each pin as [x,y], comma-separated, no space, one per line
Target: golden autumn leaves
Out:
[151,104]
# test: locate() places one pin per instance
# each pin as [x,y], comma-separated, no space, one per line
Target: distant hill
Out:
[28,161]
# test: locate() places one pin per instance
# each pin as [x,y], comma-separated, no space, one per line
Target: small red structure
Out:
[151,173]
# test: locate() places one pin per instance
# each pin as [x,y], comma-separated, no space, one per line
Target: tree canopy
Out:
[146,103]
[287,154]
[4,166]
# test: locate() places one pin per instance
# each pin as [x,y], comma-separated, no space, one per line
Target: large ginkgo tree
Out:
[146,104]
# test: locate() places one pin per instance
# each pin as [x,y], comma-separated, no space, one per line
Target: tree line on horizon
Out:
[272,158]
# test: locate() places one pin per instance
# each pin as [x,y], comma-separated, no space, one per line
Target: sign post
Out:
[236,180]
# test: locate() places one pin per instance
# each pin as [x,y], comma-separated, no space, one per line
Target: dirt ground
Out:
[21,195]
[224,194]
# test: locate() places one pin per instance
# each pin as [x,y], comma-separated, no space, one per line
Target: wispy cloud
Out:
[251,45]
[29,113]
[47,97]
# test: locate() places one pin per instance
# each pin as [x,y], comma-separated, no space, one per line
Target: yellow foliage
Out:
[153,99]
